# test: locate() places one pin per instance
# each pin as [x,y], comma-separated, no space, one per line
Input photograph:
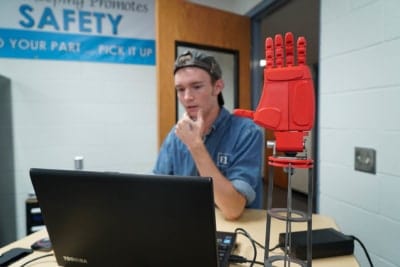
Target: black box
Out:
[326,242]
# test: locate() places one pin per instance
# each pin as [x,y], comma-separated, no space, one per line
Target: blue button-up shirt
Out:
[236,146]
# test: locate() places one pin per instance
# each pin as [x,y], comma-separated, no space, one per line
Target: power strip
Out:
[326,242]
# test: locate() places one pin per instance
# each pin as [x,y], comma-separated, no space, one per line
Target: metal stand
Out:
[288,214]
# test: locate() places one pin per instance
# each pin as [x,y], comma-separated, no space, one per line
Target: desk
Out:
[253,221]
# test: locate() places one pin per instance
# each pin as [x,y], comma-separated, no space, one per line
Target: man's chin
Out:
[192,114]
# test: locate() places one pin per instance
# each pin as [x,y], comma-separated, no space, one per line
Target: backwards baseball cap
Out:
[194,58]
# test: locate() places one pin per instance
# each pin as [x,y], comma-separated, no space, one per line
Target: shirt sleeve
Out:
[245,172]
[163,163]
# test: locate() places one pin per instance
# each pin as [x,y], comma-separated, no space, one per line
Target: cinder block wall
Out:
[103,112]
[359,107]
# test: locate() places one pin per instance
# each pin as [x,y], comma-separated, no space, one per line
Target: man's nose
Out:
[188,94]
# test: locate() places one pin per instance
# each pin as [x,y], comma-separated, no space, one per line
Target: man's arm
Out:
[227,198]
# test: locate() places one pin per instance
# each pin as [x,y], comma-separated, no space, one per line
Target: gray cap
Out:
[194,58]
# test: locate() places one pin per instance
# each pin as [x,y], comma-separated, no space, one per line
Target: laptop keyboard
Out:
[226,243]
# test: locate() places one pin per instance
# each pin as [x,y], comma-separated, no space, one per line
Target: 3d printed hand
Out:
[287,103]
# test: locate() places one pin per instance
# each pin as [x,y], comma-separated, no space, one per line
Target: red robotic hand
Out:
[287,103]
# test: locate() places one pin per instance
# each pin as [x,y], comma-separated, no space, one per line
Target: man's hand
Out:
[189,131]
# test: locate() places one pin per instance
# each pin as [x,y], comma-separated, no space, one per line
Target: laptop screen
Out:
[115,219]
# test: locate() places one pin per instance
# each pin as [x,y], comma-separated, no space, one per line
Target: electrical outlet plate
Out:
[365,159]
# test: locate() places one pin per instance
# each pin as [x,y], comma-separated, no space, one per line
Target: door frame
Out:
[179,20]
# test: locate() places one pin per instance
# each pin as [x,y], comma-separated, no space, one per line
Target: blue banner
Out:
[79,30]
[75,47]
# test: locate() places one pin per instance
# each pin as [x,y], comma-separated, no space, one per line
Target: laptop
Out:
[107,219]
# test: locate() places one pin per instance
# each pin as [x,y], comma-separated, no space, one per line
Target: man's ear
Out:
[218,86]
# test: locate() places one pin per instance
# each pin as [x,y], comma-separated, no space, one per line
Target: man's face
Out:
[195,90]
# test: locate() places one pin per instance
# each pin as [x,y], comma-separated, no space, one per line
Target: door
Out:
[178,21]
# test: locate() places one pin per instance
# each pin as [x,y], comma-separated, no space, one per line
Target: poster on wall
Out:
[109,31]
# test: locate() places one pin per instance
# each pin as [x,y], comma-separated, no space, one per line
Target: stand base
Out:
[283,258]
[291,216]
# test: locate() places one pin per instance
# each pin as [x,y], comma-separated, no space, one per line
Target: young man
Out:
[209,141]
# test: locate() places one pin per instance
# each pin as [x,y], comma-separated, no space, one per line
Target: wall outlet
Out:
[365,159]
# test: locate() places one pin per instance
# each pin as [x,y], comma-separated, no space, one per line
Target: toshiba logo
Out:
[75,259]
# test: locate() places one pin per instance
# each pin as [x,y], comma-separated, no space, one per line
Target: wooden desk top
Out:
[253,221]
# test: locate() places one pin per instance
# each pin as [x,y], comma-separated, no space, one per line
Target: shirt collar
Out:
[222,116]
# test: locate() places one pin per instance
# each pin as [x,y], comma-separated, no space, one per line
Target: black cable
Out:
[277,246]
[245,233]
[37,258]
[252,241]
[240,259]
[364,248]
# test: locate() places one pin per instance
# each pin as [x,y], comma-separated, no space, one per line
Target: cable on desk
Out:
[240,259]
[37,258]
[246,234]
[273,248]
[252,241]
[364,248]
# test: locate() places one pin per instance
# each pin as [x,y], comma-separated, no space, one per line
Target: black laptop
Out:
[107,219]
